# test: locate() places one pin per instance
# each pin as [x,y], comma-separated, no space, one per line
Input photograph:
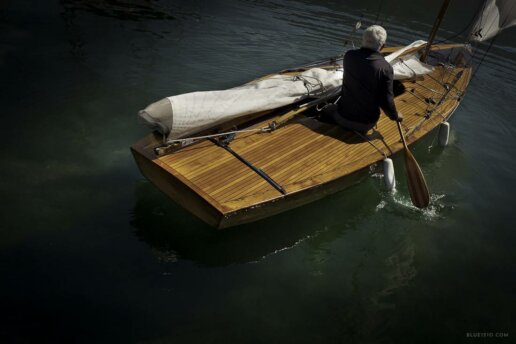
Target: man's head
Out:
[374,37]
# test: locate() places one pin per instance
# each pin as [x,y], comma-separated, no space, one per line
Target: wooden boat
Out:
[304,159]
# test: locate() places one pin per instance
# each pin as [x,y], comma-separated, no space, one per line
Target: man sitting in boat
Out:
[367,85]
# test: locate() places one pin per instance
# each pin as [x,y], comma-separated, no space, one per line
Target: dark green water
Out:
[90,252]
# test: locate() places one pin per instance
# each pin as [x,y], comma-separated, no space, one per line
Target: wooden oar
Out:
[415,179]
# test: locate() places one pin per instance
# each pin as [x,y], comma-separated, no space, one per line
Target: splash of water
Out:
[399,201]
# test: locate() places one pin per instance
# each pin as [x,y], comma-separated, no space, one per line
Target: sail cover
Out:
[408,65]
[186,114]
[496,16]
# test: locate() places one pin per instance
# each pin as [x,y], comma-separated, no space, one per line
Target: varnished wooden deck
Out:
[308,158]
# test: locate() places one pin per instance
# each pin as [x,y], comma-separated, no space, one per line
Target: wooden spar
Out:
[433,33]
[250,165]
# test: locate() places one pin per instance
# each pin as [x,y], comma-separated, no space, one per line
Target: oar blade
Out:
[416,182]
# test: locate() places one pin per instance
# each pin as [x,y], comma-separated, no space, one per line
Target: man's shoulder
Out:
[388,68]
[352,53]
[382,63]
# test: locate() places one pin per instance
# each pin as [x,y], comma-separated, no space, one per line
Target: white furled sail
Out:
[496,16]
[409,65]
[186,114]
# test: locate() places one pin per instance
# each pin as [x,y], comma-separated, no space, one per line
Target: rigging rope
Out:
[310,86]
[371,143]
[351,34]
[483,58]
[469,25]
[188,140]
[379,11]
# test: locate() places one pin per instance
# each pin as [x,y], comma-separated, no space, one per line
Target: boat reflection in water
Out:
[173,232]
[365,269]
[176,234]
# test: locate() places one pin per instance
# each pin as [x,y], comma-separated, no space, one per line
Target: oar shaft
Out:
[415,180]
[402,136]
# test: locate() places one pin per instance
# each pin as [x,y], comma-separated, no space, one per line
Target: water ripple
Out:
[124,10]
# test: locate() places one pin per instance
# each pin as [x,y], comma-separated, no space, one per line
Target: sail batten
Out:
[496,16]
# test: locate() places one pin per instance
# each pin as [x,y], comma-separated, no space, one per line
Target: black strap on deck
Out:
[224,143]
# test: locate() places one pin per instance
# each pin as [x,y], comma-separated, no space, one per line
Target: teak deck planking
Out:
[308,158]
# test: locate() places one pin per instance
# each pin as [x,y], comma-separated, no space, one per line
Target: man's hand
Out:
[400,117]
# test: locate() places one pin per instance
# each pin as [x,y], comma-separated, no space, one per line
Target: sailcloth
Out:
[496,16]
[186,114]
[408,66]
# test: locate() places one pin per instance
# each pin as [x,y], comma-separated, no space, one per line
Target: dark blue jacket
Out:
[367,87]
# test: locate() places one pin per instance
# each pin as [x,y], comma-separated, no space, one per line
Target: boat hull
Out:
[175,188]
[310,159]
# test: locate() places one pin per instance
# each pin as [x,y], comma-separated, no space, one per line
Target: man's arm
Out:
[387,95]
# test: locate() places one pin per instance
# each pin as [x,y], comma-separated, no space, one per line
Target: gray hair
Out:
[374,37]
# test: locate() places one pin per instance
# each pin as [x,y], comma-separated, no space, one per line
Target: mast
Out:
[437,23]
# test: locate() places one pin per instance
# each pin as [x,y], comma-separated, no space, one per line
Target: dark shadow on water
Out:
[359,282]
[176,234]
